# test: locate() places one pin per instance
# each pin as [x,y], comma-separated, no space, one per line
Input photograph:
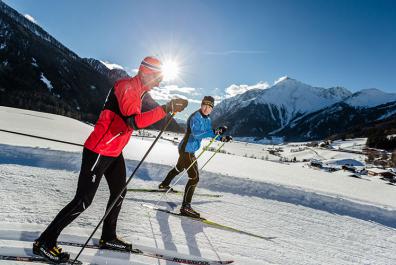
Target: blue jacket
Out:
[199,127]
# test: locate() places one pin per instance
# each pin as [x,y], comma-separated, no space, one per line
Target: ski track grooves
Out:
[215,182]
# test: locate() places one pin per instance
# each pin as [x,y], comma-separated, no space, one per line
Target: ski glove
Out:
[220,130]
[175,105]
[226,139]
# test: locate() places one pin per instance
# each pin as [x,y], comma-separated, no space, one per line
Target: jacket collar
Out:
[142,87]
[203,115]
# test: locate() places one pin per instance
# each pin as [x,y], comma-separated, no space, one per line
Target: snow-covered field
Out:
[316,217]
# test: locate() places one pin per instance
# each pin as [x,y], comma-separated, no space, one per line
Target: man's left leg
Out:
[116,180]
[193,176]
[179,167]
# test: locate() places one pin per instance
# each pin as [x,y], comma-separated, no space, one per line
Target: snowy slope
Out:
[317,217]
[369,98]
[165,153]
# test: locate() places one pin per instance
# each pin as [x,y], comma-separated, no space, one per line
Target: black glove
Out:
[220,130]
[175,105]
[226,139]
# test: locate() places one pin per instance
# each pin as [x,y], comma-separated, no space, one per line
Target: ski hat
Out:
[208,100]
[150,65]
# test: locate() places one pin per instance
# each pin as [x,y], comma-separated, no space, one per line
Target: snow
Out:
[387,115]
[281,79]
[341,162]
[377,170]
[46,82]
[34,62]
[369,98]
[317,217]
[112,66]
[30,18]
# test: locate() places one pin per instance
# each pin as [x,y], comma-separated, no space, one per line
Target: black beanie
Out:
[208,100]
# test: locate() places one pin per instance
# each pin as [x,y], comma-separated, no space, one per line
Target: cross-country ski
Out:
[173,191]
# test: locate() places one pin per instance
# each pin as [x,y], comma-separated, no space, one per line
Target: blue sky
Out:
[220,43]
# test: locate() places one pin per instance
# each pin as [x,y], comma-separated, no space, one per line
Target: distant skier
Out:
[102,155]
[199,126]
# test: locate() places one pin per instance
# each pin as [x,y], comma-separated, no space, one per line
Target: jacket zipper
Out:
[115,136]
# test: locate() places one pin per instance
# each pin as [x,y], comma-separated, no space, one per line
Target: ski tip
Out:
[148,205]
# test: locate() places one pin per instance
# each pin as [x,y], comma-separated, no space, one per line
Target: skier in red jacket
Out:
[102,155]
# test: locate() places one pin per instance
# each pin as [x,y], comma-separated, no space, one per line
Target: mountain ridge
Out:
[39,73]
[281,108]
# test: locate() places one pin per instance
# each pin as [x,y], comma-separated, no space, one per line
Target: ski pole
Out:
[125,186]
[217,150]
[184,173]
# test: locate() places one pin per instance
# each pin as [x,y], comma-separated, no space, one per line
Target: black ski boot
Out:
[188,211]
[115,244]
[165,187]
[53,253]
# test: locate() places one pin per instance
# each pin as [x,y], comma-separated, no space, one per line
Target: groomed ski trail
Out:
[33,196]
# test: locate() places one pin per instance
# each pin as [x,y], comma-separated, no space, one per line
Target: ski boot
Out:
[165,188]
[115,244]
[53,253]
[186,210]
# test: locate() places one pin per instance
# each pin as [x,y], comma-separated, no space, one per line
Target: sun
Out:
[170,70]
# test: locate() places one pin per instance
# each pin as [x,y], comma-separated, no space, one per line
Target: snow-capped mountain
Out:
[368,98]
[257,111]
[286,109]
[37,72]
[288,97]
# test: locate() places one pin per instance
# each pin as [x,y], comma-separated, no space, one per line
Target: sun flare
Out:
[170,70]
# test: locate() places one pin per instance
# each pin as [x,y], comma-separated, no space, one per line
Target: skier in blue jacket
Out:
[199,126]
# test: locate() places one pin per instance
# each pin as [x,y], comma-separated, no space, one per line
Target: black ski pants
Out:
[93,167]
[184,161]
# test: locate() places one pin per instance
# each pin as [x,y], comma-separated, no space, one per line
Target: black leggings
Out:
[93,167]
[185,160]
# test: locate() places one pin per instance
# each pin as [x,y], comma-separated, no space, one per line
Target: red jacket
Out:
[122,108]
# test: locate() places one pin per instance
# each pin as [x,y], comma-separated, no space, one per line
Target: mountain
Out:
[339,119]
[298,111]
[38,72]
[259,112]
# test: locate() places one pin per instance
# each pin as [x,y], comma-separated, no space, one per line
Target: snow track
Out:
[34,195]
[214,182]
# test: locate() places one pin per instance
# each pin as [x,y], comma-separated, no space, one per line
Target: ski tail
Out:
[178,192]
[208,222]
[35,259]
